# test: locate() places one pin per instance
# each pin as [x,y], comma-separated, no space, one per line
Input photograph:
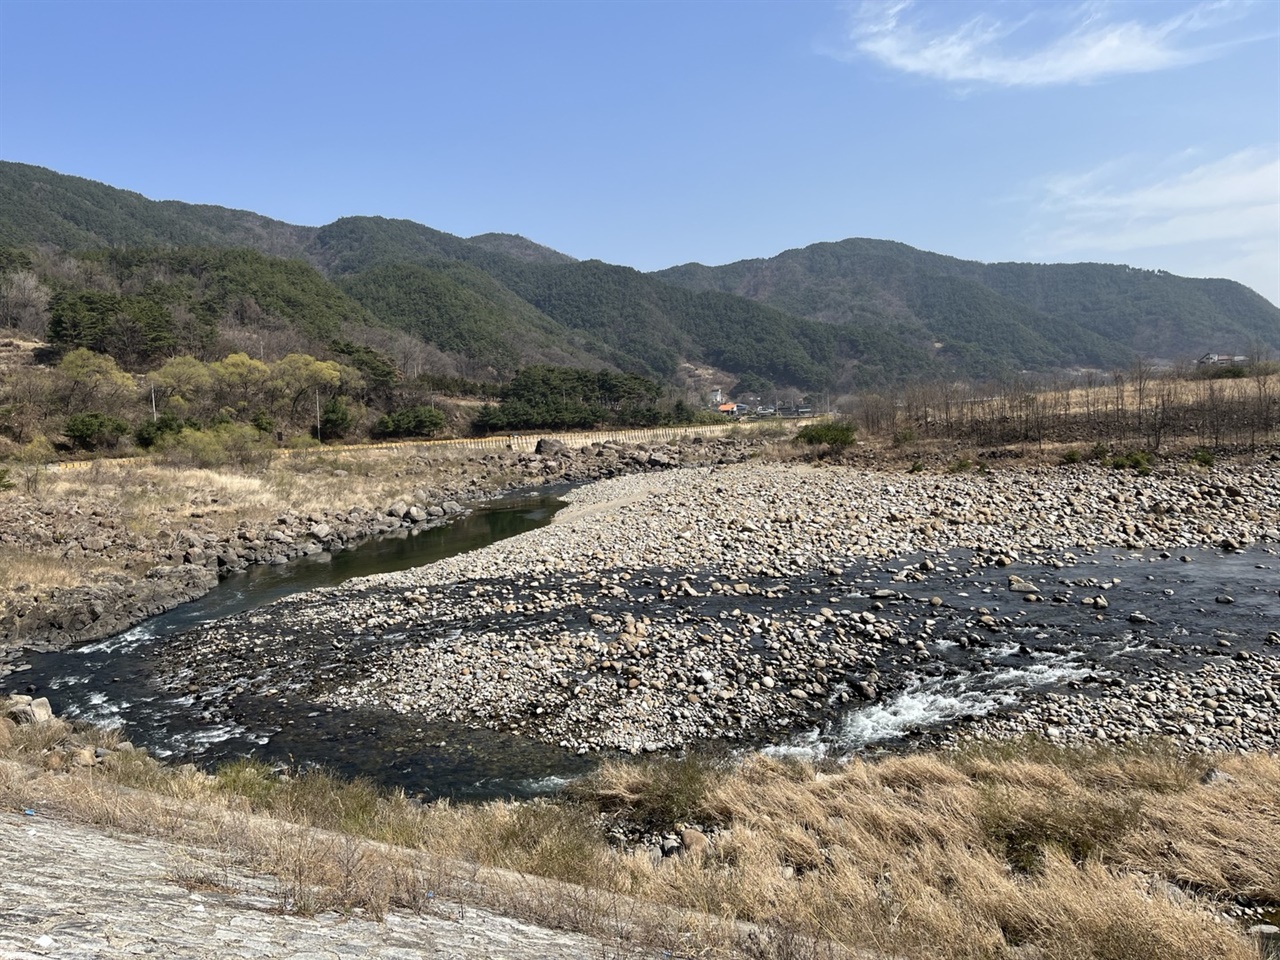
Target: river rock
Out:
[550,447]
[694,843]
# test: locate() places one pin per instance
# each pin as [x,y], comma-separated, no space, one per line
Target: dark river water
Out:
[109,683]
[1051,644]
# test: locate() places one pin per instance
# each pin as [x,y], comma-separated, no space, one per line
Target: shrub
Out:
[90,431]
[904,436]
[410,422]
[251,779]
[335,420]
[1078,823]
[263,422]
[545,838]
[1234,371]
[1203,458]
[5,482]
[1071,457]
[836,434]
[1140,461]
[148,434]
[655,795]
[230,443]
[960,465]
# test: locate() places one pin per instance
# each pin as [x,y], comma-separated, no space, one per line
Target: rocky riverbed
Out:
[791,603]
[138,567]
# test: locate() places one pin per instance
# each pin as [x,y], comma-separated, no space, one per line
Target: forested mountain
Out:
[842,315]
[41,206]
[465,312]
[1066,314]
[469,297]
[518,248]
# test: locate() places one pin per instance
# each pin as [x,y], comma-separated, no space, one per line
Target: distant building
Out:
[1221,360]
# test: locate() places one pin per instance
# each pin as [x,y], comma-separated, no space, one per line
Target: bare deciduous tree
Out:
[24,304]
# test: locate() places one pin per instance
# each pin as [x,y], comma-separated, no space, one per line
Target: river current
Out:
[1054,643]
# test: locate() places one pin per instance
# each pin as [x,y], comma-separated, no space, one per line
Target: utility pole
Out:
[318,415]
[153,403]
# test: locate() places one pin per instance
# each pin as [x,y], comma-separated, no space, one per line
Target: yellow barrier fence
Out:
[524,442]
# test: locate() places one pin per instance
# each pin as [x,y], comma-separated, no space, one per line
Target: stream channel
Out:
[966,673]
[109,682]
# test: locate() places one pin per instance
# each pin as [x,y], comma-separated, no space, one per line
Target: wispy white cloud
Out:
[1202,217]
[1043,46]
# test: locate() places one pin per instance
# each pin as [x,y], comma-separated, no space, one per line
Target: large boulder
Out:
[547,447]
[694,843]
[22,710]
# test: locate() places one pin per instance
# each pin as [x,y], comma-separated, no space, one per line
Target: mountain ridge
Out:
[832,280]
[846,314]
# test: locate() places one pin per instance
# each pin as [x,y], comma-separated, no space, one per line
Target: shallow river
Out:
[109,682]
[1049,644]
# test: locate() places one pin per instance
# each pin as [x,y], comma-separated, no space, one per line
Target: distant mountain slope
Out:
[1154,313]
[464,311]
[352,244]
[518,248]
[41,206]
[142,305]
[855,313]
[1036,315]
[625,318]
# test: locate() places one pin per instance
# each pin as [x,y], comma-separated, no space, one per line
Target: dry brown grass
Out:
[936,856]
[974,855]
[153,501]
[306,481]
[45,571]
[969,855]
[215,832]
[1175,389]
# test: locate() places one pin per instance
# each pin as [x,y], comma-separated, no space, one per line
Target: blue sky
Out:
[653,133]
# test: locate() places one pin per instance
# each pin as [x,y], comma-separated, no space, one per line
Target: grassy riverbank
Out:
[144,501]
[138,508]
[90,551]
[1021,850]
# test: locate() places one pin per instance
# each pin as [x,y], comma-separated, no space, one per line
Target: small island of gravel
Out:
[744,602]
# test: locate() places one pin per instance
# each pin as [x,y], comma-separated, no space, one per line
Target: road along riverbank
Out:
[812,608]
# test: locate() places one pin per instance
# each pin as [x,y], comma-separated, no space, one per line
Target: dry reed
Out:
[1010,851]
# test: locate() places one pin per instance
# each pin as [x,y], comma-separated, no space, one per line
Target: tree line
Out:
[555,398]
[1138,405]
[85,402]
